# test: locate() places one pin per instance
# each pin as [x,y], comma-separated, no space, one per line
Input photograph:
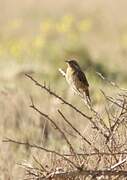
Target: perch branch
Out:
[62,72]
[58,97]
[65,102]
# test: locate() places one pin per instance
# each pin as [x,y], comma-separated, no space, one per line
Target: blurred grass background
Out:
[37,37]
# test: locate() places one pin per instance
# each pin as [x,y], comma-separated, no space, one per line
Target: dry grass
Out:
[36,38]
[98,155]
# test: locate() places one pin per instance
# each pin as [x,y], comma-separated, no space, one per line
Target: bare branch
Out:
[8,140]
[62,72]
[58,97]
[110,82]
[118,164]
[99,154]
[65,119]
[112,100]
[55,125]
[65,102]
[72,174]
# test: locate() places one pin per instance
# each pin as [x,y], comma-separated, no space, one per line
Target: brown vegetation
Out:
[101,152]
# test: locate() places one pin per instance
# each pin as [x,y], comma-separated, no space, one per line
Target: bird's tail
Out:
[87,97]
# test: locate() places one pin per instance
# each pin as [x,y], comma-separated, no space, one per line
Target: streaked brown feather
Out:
[77,79]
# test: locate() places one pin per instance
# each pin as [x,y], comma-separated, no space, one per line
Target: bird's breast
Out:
[69,75]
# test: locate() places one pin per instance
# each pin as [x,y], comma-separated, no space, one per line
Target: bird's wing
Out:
[81,76]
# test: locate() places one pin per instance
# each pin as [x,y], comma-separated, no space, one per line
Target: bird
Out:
[77,80]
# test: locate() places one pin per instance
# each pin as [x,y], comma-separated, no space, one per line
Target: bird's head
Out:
[73,64]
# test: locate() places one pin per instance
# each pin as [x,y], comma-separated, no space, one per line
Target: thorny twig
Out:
[55,125]
[110,82]
[75,129]
[109,156]
[76,173]
[58,97]
[118,164]
[41,148]
[67,103]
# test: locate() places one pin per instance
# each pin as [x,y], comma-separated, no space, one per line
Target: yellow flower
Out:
[85,25]
[38,42]
[15,50]
[65,24]
[46,26]
[16,47]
